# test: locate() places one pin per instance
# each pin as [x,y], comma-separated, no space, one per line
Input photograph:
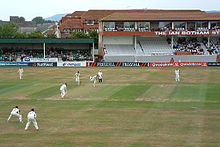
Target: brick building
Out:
[85,20]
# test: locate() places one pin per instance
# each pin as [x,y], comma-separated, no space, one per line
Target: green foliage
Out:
[21,35]
[91,34]
[94,34]
[8,30]
[36,34]
[40,20]
[52,36]
[76,35]
[21,19]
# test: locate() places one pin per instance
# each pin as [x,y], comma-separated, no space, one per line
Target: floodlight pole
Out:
[135,47]
[93,50]
[172,42]
[208,41]
[44,50]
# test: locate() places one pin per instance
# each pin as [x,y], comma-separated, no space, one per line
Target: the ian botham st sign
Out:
[170,33]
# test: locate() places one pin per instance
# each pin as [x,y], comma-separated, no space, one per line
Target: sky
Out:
[46,8]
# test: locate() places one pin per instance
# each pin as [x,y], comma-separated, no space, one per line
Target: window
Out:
[154,26]
[165,26]
[119,26]
[179,26]
[90,22]
[201,25]
[215,25]
[191,26]
[109,25]
[76,30]
[144,25]
[129,24]
[66,30]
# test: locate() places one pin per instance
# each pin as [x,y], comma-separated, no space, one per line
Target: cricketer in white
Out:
[177,72]
[16,112]
[63,90]
[94,79]
[32,118]
[100,76]
[77,78]
[20,71]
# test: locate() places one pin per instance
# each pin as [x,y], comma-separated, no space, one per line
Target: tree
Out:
[8,30]
[38,20]
[36,34]
[76,35]
[21,19]
[21,35]
[52,36]
[94,34]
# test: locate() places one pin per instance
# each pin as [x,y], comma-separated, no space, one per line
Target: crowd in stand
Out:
[191,45]
[69,55]
[7,55]
[214,48]
[78,55]
[10,54]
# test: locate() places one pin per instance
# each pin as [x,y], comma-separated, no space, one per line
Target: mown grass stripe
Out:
[130,92]
[14,88]
[48,91]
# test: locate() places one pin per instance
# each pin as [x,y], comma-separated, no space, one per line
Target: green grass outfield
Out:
[133,107]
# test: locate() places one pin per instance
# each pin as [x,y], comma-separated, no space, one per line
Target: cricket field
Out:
[133,107]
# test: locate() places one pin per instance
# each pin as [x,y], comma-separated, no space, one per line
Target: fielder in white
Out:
[16,112]
[100,76]
[32,118]
[77,78]
[20,71]
[94,79]
[177,72]
[63,90]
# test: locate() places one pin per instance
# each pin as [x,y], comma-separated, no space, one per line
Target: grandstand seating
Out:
[120,58]
[156,46]
[147,46]
[119,49]
[139,49]
[159,49]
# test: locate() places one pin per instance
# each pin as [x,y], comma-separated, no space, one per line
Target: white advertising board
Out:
[40,59]
[71,64]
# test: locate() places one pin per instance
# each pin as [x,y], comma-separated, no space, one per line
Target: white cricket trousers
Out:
[21,75]
[63,93]
[177,78]
[78,81]
[34,122]
[15,114]
[94,82]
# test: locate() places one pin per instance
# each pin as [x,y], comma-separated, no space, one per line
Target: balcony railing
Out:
[159,29]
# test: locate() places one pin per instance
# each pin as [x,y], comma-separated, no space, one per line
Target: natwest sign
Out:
[170,33]
[42,64]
